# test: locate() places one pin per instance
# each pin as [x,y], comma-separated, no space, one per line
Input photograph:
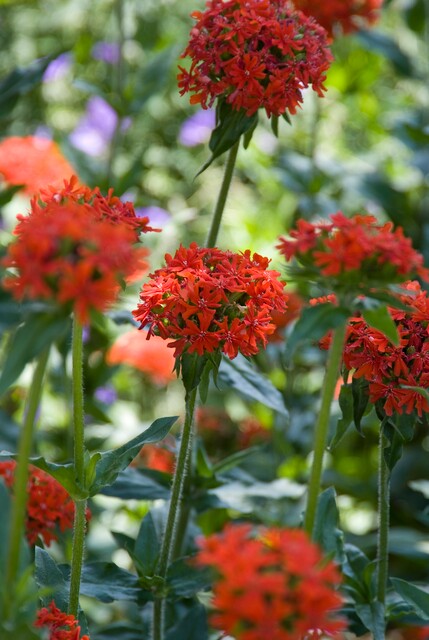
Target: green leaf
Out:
[50,580]
[372,615]
[185,580]
[193,626]
[19,82]
[6,195]
[346,406]
[106,582]
[37,333]
[314,323]
[326,532]
[146,549]
[111,463]
[416,597]
[230,125]
[381,320]
[239,374]
[4,524]
[393,445]
[139,484]
[360,400]
[234,459]
[192,368]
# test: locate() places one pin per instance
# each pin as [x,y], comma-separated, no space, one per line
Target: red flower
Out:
[349,15]
[274,584]
[390,369]
[152,357]
[254,54]
[61,626]
[351,253]
[49,506]
[159,457]
[32,162]
[74,248]
[205,300]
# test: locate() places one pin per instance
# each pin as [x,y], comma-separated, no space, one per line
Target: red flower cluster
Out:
[273,585]
[255,54]
[75,248]
[349,15]
[353,252]
[61,626]
[389,368]
[207,300]
[49,506]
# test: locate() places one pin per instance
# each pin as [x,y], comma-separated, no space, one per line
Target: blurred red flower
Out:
[32,162]
[49,506]
[159,457]
[273,584]
[61,626]
[75,248]
[207,300]
[150,356]
[349,15]
[254,54]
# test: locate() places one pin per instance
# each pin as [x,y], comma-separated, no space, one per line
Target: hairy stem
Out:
[322,426]
[383,522]
[79,466]
[174,511]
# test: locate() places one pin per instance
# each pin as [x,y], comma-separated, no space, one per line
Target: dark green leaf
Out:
[4,524]
[120,630]
[18,83]
[146,549]
[234,459]
[326,532]
[185,580]
[381,320]
[29,340]
[9,432]
[314,323]
[239,374]
[111,463]
[6,195]
[416,597]
[144,484]
[372,615]
[51,580]
[106,582]
[193,626]
[346,406]
[393,445]
[360,400]
[192,367]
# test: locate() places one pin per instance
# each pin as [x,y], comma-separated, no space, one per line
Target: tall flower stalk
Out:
[19,504]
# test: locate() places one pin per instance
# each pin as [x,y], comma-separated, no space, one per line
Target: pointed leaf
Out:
[381,320]
[326,532]
[185,580]
[360,400]
[234,459]
[106,582]
[314,323]
[346,406]
[193,626]
[372,615]
[146,549]
[139,484]
[241,375]
[111,463]
[416,597]
[50,580]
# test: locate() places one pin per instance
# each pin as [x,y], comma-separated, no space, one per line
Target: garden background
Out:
[99,79]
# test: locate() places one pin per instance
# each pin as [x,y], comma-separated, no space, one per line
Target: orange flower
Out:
[32,162]
[271,584]
[153,357]
[349,15]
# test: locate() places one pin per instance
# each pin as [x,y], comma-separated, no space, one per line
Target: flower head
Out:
[33,162]
[49,506]
[75,248]
[349,15]
[254,54]
[390,369]
[352,253]
[274,584]
[61,626]
[207,300]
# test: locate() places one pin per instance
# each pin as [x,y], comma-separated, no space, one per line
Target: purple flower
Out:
[58,68]
[106,51]
[96,128]
[106,395]
[197,129]
[157,217]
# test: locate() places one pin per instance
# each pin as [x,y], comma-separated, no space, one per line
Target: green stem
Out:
[383,522]
[322,426]
[79,466]
[19,506]
[168,542]
[223,194]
